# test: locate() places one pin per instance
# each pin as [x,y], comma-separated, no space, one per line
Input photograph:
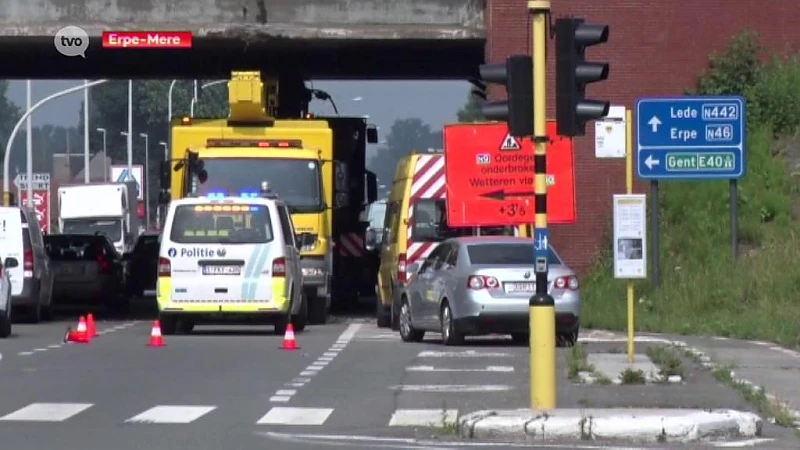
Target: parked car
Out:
[32,278]
[5,295]
[142,266]
[88,271]
[481,285]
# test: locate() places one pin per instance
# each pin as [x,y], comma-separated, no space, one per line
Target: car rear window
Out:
[26,238]
[216,223]
[505,254]
[74,248]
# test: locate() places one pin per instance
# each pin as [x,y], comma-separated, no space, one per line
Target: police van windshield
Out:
[296,181]
[221,224]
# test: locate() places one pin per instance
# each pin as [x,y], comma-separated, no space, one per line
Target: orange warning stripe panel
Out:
[351,245]
[429,182]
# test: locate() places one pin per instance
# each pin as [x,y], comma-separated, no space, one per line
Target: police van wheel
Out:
[300,320]
[5,327]
[169,325]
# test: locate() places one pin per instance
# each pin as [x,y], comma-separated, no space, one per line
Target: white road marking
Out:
[46,412]
[301,380]
[295,384]
[280,398]
[25,353]
[40,349]
[325,358]
[317,366]
[745,443]
[171,414]
[445,369]
[422,417]
[295,416]
[451,388]
[285,392]
[308,373]
[462,354]
[54,346]
[330,354]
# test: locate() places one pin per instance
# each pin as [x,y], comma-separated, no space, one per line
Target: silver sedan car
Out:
[481,285]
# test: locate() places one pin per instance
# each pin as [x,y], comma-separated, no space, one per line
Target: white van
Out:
[229,258]
[11,250]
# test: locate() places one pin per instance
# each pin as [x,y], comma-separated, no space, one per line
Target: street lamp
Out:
[194,97]
[105,154]
[166,150]
[146,177]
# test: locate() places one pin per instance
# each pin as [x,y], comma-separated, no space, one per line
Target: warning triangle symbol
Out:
[510,143]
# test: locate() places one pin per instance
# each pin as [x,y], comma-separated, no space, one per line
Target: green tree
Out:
[9,114]
[108,109]
[471,111]
[405,135]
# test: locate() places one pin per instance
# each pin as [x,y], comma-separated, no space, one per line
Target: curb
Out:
[641,425]
[708,363]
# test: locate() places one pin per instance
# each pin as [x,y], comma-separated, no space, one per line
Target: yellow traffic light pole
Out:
[541,306]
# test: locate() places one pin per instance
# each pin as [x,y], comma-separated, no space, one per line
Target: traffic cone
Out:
[289,342]
[90,329]
[156,340]
[78,336]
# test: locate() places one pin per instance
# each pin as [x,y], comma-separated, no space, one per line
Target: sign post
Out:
[690,138]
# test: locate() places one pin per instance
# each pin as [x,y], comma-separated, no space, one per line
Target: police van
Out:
[225,259]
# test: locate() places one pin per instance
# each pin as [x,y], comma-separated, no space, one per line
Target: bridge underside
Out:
[214,57]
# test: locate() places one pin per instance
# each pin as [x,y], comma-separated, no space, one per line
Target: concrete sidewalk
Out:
[638,425]
[756,364]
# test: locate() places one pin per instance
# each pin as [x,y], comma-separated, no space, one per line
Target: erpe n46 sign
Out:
[490,176]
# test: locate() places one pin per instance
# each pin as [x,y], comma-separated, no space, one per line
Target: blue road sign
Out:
[541,242]
[685,138]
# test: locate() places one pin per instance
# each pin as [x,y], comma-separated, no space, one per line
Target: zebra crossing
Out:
[51,413]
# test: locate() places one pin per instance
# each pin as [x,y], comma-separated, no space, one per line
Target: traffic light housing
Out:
[517,76]
[573,73]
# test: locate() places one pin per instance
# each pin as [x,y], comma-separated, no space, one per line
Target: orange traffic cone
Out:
[80,335]
[156,340]
[289,342]
[90,329]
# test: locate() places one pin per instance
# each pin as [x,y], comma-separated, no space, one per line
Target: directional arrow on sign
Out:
[502,195]
[654,123]
[650,162]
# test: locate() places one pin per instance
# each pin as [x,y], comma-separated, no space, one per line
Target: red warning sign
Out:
[41,204]
[490,176]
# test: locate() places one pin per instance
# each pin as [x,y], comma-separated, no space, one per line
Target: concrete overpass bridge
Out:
[336,39]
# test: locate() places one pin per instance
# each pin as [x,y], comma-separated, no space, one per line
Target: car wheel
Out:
[317,308]
[407,331]
[300,320]
[450,335]
[568,339]
[169,324]
[520,338]
[5,326]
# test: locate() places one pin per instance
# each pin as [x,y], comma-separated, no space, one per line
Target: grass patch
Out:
[703,291]
[446,425]
[577,362]
[631,376]
[757,397]
[667,360]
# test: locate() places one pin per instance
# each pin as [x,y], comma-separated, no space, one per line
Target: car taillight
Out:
[570,282]
[279,267]
[478,282]
[401,268]
[27,263]
[164,267]
[102,263]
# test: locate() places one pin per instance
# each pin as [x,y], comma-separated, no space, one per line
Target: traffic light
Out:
[573,73]
[517,76]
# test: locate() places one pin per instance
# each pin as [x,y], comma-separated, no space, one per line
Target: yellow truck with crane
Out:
[316,165]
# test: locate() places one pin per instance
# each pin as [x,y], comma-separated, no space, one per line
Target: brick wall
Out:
[654,49]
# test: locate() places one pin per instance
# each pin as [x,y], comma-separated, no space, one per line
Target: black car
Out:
[142,264]
[88,270]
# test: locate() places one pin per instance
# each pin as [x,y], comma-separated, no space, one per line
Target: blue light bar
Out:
[246,194]
[216,195]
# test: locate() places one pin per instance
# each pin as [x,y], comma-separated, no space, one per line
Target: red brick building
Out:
[654,49]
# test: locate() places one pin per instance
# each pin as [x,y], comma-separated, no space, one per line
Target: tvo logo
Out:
[71,41]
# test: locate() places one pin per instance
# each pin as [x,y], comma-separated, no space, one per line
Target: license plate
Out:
[519,287]
[222,270]
[70,270]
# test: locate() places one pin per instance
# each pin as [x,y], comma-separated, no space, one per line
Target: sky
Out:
[435,102]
